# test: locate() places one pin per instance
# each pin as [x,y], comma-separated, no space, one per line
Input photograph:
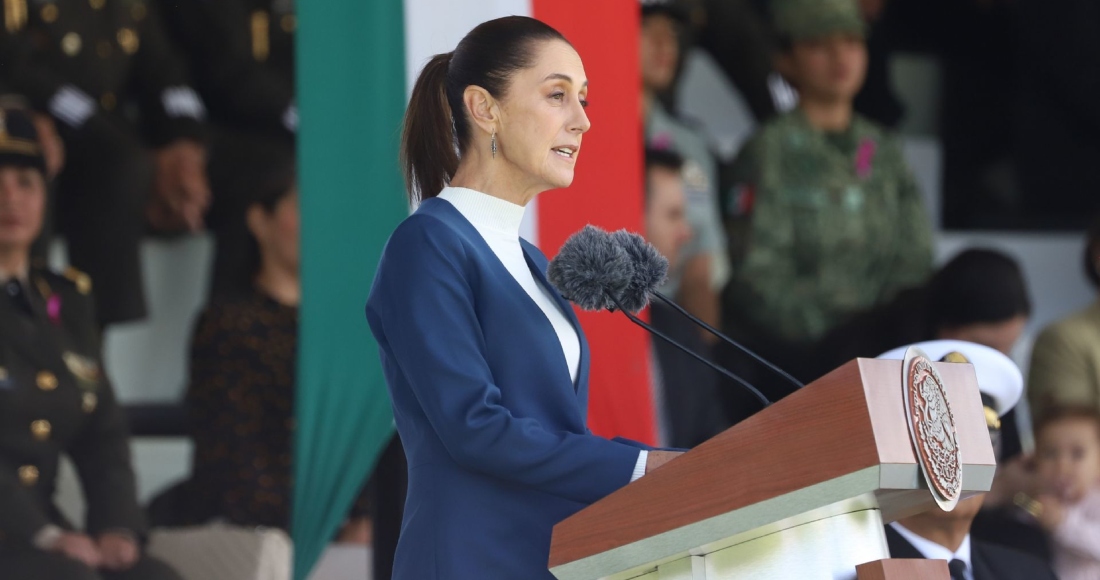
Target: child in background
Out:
[1067,458]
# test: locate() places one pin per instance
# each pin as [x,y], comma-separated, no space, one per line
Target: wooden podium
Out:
[800,490]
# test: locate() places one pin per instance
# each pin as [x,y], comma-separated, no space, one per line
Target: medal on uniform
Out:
[71,44]
[261,39]
[15,14]
[128,40]
[88,402]
[85,370]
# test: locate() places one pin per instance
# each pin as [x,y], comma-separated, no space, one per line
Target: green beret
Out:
[798,20]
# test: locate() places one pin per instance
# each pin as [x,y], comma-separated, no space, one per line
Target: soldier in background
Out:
[54,399]
[104,73]
[825,218]
[242,56]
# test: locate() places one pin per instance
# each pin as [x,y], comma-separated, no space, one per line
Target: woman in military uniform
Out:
[54,399]
[824,217]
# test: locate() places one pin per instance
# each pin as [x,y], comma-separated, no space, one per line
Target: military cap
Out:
[19,140]
[797,20]
[668,7]
[999,379]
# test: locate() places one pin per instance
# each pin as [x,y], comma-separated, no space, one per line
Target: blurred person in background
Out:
[979,296]
[132,127]
[825,219]
[240,399]
[1065,360]
[241,53]
[56,399]
[1067,458]
[701,267]
[736,34]
[685,390]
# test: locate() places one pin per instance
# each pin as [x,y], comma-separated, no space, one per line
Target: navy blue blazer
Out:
[492,423]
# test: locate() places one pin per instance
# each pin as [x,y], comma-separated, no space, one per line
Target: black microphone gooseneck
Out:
[798,384]
[600,271]
[760,396]
[650,268]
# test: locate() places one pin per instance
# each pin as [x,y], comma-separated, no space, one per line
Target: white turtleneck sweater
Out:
[498,222]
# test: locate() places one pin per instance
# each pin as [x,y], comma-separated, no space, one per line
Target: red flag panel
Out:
[607,192]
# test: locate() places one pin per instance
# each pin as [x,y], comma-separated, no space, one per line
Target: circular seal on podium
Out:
[932,428]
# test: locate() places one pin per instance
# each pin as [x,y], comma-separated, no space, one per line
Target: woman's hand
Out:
[1014,476]
[79,547]
[119,552]
[658,458]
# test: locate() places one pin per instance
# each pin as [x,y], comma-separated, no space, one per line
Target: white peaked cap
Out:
[998,376]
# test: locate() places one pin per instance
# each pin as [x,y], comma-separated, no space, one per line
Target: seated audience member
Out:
[242,55]
[980,296]
[945,535]
[685,390]
[824,218]
[132,126]
[1065,361]
[55,399]
[700,269]
[1067,455]
[241,395]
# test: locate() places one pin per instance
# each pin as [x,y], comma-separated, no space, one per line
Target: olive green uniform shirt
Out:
[821,225]
[1065,363]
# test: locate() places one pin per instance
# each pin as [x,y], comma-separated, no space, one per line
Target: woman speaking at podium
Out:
[486,364]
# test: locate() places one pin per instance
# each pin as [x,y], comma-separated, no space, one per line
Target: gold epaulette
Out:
[82,281]
[15,15]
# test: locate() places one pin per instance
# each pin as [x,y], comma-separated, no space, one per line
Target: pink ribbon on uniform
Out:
[865,157]
[53,308]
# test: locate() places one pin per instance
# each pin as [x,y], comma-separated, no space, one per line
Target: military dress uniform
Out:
[54,399]
[105,71]
[242,55]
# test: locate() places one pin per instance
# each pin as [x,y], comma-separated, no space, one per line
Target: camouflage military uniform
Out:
[824,225]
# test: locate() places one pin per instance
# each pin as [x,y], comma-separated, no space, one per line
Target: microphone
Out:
[595,273]
[647,258]
[590,269]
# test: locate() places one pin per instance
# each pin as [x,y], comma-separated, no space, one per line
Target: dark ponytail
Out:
[436,129]
[428,155]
